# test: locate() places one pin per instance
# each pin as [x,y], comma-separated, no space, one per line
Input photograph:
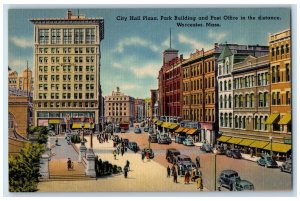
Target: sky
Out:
[131,52]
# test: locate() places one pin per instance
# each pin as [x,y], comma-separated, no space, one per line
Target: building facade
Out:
[119,108]
[67,71]
[22,82]
[139,109]
[154,103]
[280,120]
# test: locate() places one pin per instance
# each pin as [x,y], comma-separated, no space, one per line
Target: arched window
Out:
[252,100]
[227,67]
[266,99]
[240,122]
[236,101]
[240,100]
[225,101]
[273,98]
[266,125]
[221,119]
[221,101]
[221,86]
[229,101]
[247,101]
[261,126]
[225,85]
[226,120]
[229,85]
[236,122]
[230,120]
[260,99]
[244,122]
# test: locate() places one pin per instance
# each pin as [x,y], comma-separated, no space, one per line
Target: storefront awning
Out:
[259,144]
[54,121]
[78,125]
[180,129]
[246,142]
[159,123]
[286,119]
[192,131]
[234,140]
[165,124]
[154,120]
[272,118]
[223,138]
[278,147]
[173,126]
[185,130]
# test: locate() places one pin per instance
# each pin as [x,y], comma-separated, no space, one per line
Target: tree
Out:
[24,169]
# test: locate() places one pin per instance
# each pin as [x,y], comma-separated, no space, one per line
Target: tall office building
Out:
[67,70]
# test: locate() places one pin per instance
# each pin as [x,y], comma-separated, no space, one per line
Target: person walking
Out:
[115,154]
[187,177]
[200,183]
[118,150]
[125,171]
[193,175]
[143,156]
[173,169]
[122,151]
[69,162]
[175,177]
[127,164]
[168,171]
[198,162]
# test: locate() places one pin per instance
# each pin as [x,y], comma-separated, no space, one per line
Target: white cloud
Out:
[129,86]
[21,42]
[135,41]
[117,65]
[195,44]
[146,70]
[217,37]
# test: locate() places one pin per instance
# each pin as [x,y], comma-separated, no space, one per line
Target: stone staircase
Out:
[74,177]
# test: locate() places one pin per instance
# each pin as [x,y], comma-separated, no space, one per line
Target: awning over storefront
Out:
[165,124]
[78,125]
[286,119]
[173,126]
[185,130]
[278,147]
[223,138]
[272,118]
[180,129]
[54,121]
[246,142]
[192,131]
[154,120]
[234,140]
[259,144]
[159,123]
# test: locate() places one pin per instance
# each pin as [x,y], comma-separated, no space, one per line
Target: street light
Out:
[82,126]
[271,151]
[91,132]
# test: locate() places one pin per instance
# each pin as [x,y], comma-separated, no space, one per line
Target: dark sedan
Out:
[153,139]
[164,140]
[206,148]
[234,153]
[137,130]
[133,146]
[267,161]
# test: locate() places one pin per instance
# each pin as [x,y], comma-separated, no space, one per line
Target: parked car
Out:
[123,130]
[243,185]
[164,139]
[142,124]
[153,138]
[151,130]
[188,142]
[206,147]
[146,129]
[220,150]
[182,158]
[179,139]
[228,178]
[267,161]
[287,166]
[184,166]
[234,153]
[148,150]
[137,130]
[133,146]
[171,155]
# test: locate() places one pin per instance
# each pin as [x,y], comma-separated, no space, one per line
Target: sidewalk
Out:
[255,158]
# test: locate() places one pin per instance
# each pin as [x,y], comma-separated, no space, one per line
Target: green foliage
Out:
[104,168]
[24,168]
[32,129]
[75,139]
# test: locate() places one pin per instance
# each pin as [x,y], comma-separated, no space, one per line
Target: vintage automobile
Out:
[171,155]
[206,148]
[149,151]
[137,130]
[153,139]
[220,150]
[182,158]
[123,130]
[164,139]
[243,185]
[185,166]
[287,166]
[234,153]
[188,142]
[179,139]
[150,131]
[133,146]
[267,161]
[228,178]
[146,129]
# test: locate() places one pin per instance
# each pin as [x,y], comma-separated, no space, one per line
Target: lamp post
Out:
[82,150]
[271,151]
[90,157]
[215,178]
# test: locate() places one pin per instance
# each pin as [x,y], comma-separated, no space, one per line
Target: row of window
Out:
[44,87]
[173,86]
[117,108]
[66,96]
[197,69]
[197,114]
[281,99]
[117,113]
[66,68]
[67,50]
[243,122]
[197,84]
[67,36]
[66,104]
[283,49]
[56,78]
[88,59]
[225,69]
[124,98]
[280,76]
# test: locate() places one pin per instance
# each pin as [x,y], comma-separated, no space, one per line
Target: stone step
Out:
[75,177]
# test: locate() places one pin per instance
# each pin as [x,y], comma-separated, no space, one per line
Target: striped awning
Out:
[246,142]
[78,125]
[159,123]
[192,131]
[154,120]
[272,118]
[173,126]
[180,129]
[186,130]
[259,144]
[286,119]
[223,138]
[234,140]
[278,147]
[165,124]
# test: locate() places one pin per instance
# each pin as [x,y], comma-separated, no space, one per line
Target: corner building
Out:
[67,70]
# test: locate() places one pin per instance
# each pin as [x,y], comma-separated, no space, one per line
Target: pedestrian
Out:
[115,154]
[56,141]
[198,162]
[200,183]
[125,171]
[127,164]
[143,156]
[69,162]
[118,150]
[251,153]
[147,156]
[168,171]
[106,137]
[175,177]
[187,177]
[193,175]
[122,151]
